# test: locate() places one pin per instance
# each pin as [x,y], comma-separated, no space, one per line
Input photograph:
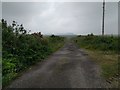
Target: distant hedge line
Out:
[104,43]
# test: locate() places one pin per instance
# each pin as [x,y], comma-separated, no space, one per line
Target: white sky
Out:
[59,0]
[62,17]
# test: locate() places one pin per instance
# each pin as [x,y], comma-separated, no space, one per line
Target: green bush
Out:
[106,43]
[20,49]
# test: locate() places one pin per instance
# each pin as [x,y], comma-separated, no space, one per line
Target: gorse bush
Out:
[20,49]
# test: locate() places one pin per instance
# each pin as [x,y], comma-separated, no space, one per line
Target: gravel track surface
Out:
[69,67]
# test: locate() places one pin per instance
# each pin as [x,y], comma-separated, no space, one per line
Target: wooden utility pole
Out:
[103,21]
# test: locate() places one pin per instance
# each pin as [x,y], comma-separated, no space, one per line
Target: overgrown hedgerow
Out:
[20,49]
[104,43]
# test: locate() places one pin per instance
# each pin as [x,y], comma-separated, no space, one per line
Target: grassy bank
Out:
[104,51]
[21,50]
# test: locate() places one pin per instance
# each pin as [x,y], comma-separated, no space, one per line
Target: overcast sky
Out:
[62,17]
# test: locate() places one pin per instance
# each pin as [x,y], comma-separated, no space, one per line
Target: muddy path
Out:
[69,67]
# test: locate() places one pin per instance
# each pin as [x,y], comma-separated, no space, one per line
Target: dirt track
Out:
[69,67]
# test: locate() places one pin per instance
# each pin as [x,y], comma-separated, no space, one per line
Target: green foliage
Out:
[56,40]
[106,43]
[20,50]
[8,77]
[110,71]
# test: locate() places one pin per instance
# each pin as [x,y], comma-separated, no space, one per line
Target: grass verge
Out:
[103,51]
[108,63]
